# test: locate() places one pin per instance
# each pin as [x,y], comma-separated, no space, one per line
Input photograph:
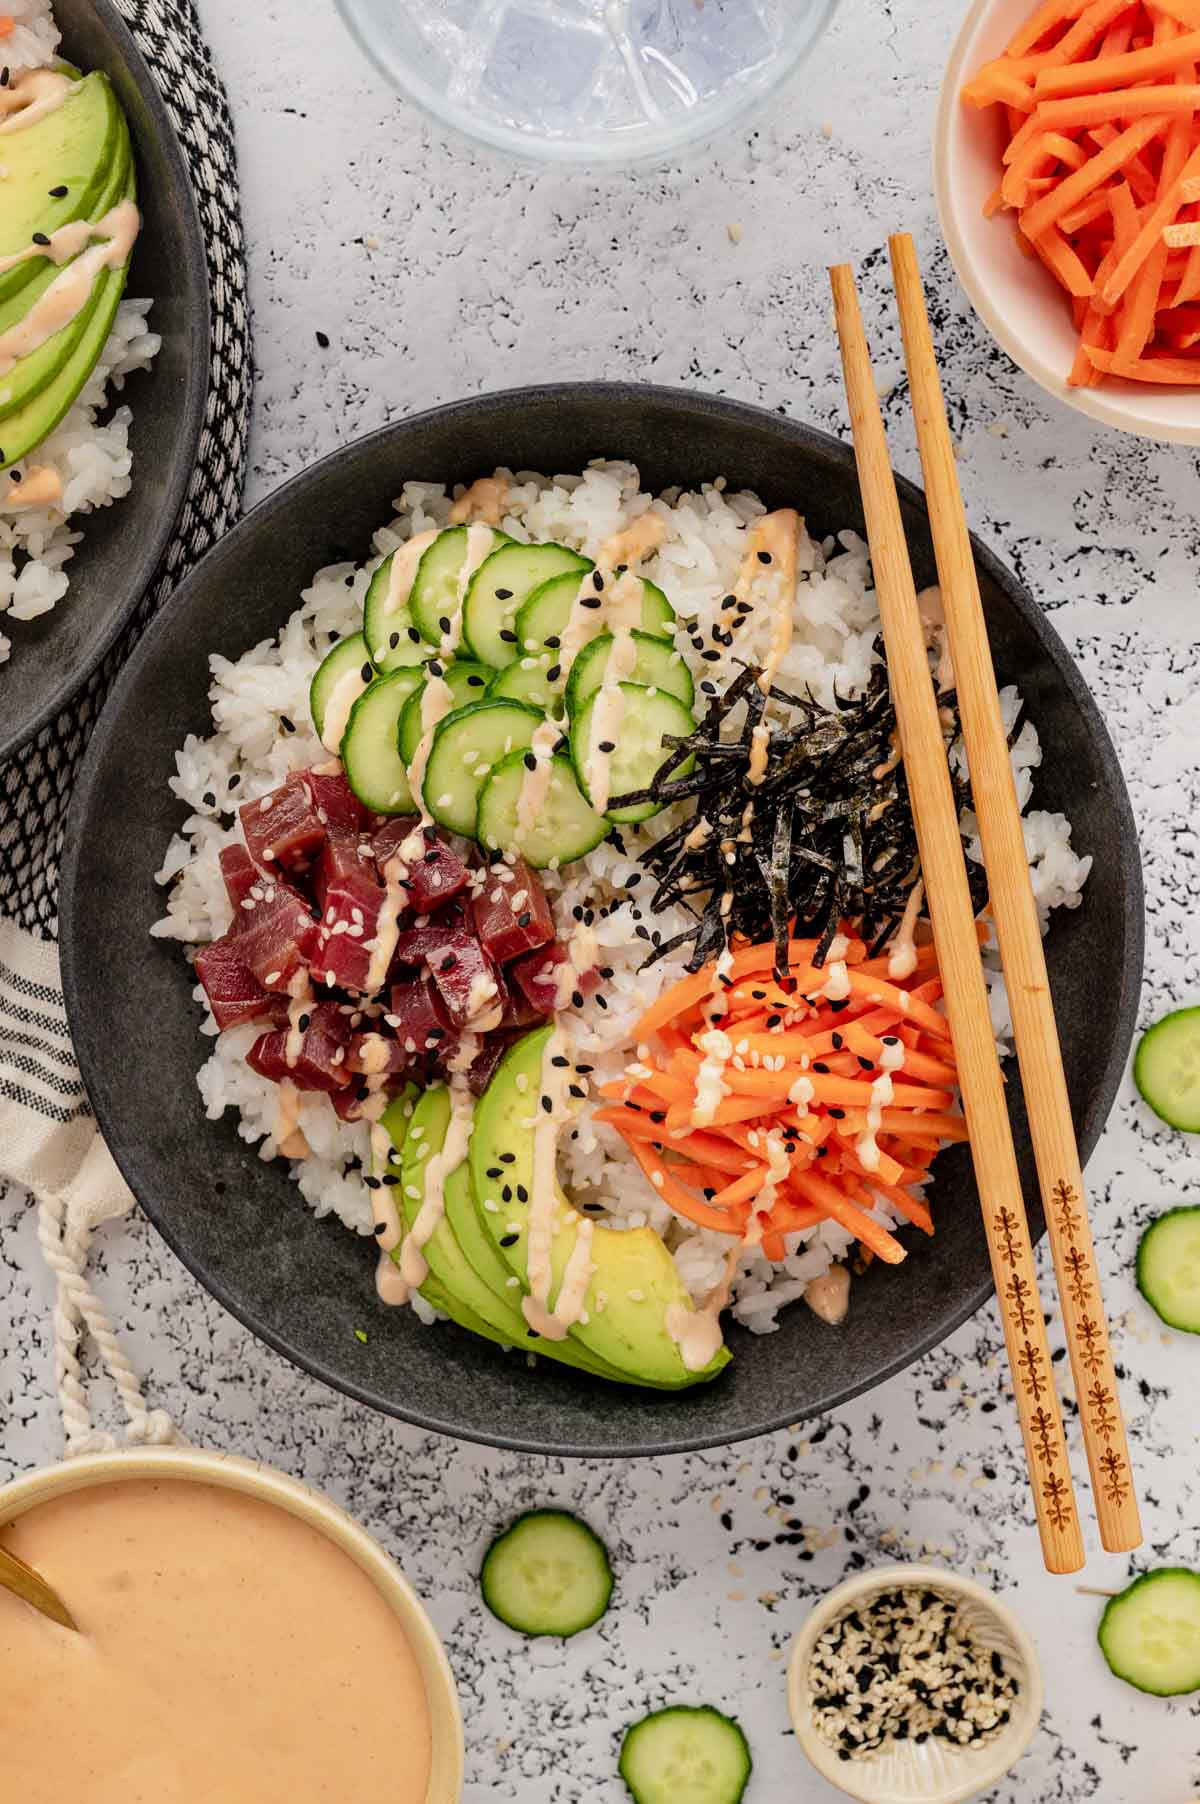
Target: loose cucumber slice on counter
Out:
[393,639]
[1167,1069]
[546,612]
[638,752]
[466,746]
[547,1575]
[1168,1268]
[435,598]
[370,747]
[341,677]
[1150,1634]
[500,587]
[686,1756]
[467,683]
[526,681]
[567,826]
[658,666]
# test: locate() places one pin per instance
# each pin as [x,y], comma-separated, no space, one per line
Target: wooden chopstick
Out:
[1015,914]
[935,817]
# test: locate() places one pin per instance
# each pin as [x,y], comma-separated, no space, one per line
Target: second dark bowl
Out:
[305,1286]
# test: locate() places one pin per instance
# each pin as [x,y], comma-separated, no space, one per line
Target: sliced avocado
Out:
[32,373]
[69,149]
[634,1281]
[469,1296]
[21,431]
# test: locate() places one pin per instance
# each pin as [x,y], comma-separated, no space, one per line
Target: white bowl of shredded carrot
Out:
[1067,172]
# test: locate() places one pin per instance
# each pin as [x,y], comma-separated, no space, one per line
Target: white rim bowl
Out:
[934,1772]
[1017,299]
[194,1466]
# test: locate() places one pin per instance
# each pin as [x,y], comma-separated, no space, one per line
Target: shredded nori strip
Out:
[829,836]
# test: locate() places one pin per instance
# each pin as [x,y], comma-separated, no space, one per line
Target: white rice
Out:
[89,450]
[836,624]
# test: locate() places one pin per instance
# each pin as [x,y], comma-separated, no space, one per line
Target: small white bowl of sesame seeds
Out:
[911,1685]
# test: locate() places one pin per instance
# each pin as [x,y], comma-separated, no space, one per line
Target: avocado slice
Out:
[32,373]
[69,149]
[469,1299]
[24,429]
[634,1281]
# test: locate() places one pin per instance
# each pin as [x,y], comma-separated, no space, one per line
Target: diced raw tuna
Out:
[322,1060]
[483,1067]
[337,807]
[419,1019]
[235,995]
[465,977]
[282,829]
[435,877]
[241,874]
[349,923]
[387,840]
[370,1052]
[278,934]
[420,945]
[343,859]
[537,976]
[512,915]
[519,1011]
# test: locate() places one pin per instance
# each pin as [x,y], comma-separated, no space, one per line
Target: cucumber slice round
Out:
[438,591]
[547,1575]
[638,752]
[1167,1069]
[658,666]
[566,827]
[545,614]
[526,681]
[341,677]
[467,682]
[499,589]
[392,637]
[466,746]
[1168,1268]
[1150,1634]
[370,744]
[686,1755]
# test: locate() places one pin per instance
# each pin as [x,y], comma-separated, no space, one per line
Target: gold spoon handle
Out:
[24,1582]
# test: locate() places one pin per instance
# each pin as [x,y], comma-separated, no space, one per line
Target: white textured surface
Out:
[436,273]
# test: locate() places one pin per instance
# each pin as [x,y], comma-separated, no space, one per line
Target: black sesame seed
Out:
[553,643]
[475,682]
[524,920]
[366,673]
[289,726]
[493,1171]
[380,1227]
[323,340]
[553,674]
[40,238]
[448,963]
[838,1114]
[434,668]
[891,1039]
[522,1194]
[837,1007]
[710,657]
[510,638]
[606,746]
[393,640]
[303,1023]
[764,557]
[589,601]
[59,192]
[823,1069]
[509,1240]
[529,761]
[837,1042]
[508,1158]
[546,1104]
[503,594]
[444,622]
[867,1064]
[414,635]
[577,998]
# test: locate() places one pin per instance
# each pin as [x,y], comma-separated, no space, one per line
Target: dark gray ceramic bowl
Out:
[121,545]
[305,1286]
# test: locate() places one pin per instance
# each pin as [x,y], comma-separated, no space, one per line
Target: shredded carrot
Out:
[1101,175]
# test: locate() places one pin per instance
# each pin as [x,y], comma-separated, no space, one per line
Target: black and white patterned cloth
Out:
[35,786]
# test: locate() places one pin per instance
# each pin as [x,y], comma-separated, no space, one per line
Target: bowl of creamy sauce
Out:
[241,1639]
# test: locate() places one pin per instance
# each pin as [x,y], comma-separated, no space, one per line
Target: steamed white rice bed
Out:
[836,624]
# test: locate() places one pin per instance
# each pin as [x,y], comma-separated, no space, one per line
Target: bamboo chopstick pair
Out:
[1015,915]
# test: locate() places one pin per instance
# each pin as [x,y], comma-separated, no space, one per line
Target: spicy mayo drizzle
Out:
[68,294]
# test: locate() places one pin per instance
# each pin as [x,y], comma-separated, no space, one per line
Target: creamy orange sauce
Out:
[485,500]
[774,538]
[69,292]
[33,96]
[229,1652]
[42,487]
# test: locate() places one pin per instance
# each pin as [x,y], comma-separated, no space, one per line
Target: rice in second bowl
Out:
[263,731]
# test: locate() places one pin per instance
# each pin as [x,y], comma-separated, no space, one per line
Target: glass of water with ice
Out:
[587,81]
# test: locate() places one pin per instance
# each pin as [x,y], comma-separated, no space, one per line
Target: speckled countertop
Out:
[435,273]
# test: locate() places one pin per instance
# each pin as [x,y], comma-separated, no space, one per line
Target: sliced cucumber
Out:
[499,588]
[435,599]
[638,751]
[466,745]
[526,681]
[1167,1069]
[566,827]
[341,677]
[1150,1634]
[686,1756]
[370,745]
[548,609]
[1168,1268]
[658,666]
[547,1575]
[393,639]
[467,682]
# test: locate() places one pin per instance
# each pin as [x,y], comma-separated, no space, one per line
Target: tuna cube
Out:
[344,859]
[278,935]
[537,977]
[483,1065]
[282,829]
[337,807]
[320,1063]
[235,995]
[418,1017]
[435,877]
[420,945]
[511,913]
[466,980]
[387,840]
[241,874]
[370,1053]
[349,922]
